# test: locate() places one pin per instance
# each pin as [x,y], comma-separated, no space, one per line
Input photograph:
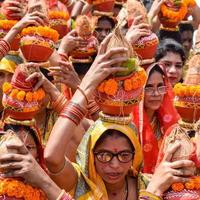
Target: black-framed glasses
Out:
[151,90]
[107,156]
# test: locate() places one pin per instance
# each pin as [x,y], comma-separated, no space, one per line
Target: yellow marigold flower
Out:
[14,93]
[189,185]
[6,87]
[21,95]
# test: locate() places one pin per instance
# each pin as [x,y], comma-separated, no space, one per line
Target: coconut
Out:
[83,26]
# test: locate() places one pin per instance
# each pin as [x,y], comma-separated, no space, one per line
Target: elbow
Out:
[51,159]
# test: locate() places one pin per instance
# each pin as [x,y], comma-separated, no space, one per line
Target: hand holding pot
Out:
[171,172]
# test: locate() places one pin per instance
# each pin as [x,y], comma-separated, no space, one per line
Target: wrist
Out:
[154,190]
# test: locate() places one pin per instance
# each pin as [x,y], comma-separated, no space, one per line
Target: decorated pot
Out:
[36,48]
[58,21]
[118,95]
[5,26]
[86,52]
[38,43]
[188,108]
[182,195]
[146,46]
[171,15]
[103,5]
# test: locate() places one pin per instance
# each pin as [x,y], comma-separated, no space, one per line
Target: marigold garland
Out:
[18,189]
[192,184]
[58,15]
[22,95]
[182,90]
[174,15]
[136,81]
[42,31]
[190,3]
[7,24]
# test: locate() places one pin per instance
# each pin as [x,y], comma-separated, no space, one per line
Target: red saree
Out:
[166,115]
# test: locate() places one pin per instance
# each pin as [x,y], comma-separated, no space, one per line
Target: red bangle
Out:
[63,56]
[83,93]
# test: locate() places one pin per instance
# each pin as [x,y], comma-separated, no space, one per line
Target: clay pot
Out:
[183,195]
[188,108]
[34,50]
[120,104]
[146,47]
[106,6]
[60,25]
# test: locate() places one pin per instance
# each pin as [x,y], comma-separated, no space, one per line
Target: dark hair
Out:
[17,128]
[175,35]
[107,18]
[186,27]
[111,133]
[158,69]
[169,45]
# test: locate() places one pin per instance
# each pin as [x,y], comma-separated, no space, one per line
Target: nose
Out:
[186,44]
[114,163]
[156,93]
[172,69]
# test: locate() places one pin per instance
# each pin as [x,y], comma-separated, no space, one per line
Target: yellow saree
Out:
[90,185]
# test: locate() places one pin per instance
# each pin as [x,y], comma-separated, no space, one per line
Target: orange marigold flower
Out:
[177,187]
[21,95]
[6,87]
[192,90]
[41,94]
[29,96]
[58,15]
[14,93]
[7,24]
[111,87]
[128,85]
[42,31]
[35,96]
[101,87]
[189,185]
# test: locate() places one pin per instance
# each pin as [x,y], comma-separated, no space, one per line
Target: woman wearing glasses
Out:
[154,115]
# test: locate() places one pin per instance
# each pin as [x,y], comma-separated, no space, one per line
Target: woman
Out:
[154,115]
[108,151]
[27,161]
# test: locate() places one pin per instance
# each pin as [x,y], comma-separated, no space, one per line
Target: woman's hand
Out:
[70,42]
[103,66]
[66,74]
[16,8]
[21,164]
[32,18]
[42,81]
[137,30]
[169,172]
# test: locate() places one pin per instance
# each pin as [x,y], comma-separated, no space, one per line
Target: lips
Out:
[114,176]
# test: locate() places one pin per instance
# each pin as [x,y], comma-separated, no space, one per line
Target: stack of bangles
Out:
[59,104]
[74,112]
[93,108]
[64,196]
[144,195]
[4,48]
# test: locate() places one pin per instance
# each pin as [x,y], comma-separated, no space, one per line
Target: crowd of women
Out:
[70,149]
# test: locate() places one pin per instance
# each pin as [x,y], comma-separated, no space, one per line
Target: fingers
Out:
[136,21]
[10,166]
[33,76]
[103,45]
[13,173]
[10,157]
[183,172]
[182,164]
[114,51]
[72,33]
[112,62]
[34,7]
[147,61]
[171,151]
[21,149]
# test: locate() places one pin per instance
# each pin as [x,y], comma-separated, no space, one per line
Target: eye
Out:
[104,156]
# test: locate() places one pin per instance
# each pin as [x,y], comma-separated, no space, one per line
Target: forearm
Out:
[77,9]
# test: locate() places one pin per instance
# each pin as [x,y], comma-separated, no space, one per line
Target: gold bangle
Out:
[144,195]
[59,171]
